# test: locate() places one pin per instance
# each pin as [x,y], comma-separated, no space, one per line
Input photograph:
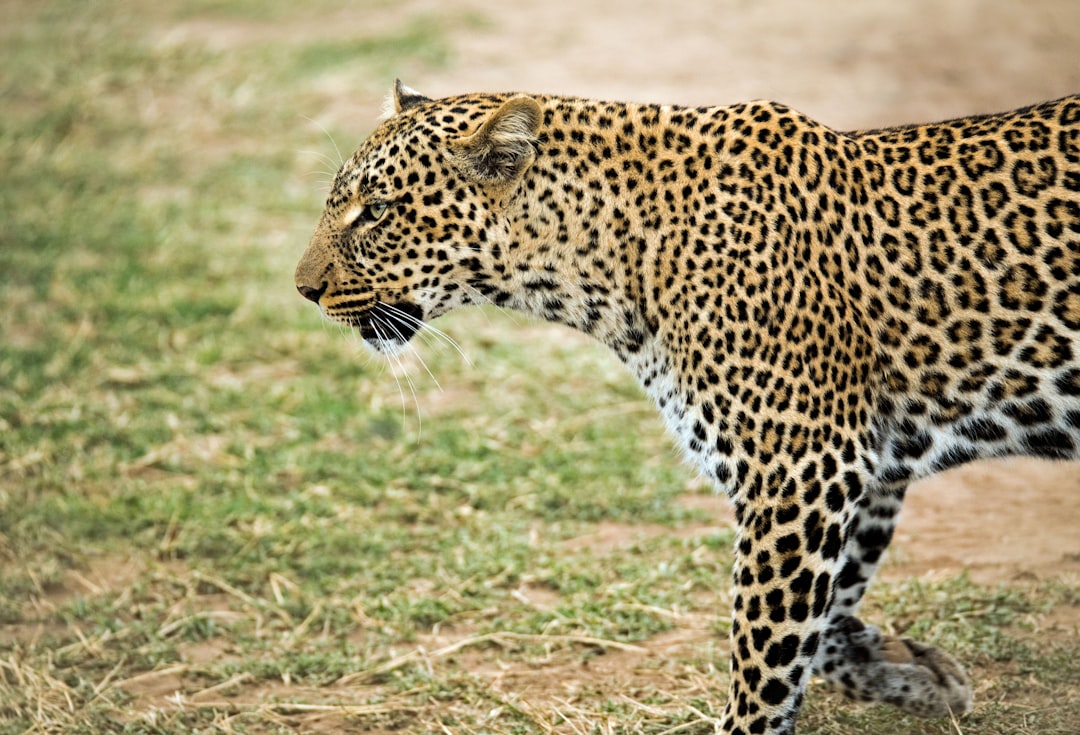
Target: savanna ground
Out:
[219,515]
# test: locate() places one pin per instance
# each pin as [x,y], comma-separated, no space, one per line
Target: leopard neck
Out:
[584,225]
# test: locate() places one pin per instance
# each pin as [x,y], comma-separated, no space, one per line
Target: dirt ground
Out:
[867,64]
[864,64]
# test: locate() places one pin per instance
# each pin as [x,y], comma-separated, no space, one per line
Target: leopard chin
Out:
[387,328]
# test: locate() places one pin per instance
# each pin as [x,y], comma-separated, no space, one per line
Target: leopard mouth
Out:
[390,325]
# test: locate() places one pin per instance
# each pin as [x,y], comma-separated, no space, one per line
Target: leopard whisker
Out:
[320,126]
[394,360]
[440,335]
[491,302]
[324,178]
[429,331]
[399,314]
[332,167]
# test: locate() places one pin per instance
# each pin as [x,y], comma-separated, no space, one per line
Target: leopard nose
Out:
[311,293]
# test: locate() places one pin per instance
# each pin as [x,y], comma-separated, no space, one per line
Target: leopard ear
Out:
[406,97]
[505,145]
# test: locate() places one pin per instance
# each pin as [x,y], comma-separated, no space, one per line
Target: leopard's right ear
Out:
[405,97]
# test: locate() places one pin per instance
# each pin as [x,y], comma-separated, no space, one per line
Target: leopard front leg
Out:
[786,561]
[866,664]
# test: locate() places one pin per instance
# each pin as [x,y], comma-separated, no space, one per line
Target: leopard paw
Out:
[872,667]
[924,680]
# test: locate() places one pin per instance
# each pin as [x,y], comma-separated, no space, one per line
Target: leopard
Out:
[821,317]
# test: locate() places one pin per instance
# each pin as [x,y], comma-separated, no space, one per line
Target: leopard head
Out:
[415,222]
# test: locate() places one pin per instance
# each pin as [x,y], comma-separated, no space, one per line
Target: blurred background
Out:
[219,512]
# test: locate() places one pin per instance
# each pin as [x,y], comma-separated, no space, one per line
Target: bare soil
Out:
[867,64]
[1008,520]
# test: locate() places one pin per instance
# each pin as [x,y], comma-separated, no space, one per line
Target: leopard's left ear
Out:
[505,145]
[406,97]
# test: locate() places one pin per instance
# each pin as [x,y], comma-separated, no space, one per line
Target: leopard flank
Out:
[821,317]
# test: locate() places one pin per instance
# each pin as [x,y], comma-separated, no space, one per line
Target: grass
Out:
[219,515]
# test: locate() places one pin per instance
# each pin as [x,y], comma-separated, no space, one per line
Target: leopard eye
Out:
[370,214]
[374,211]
